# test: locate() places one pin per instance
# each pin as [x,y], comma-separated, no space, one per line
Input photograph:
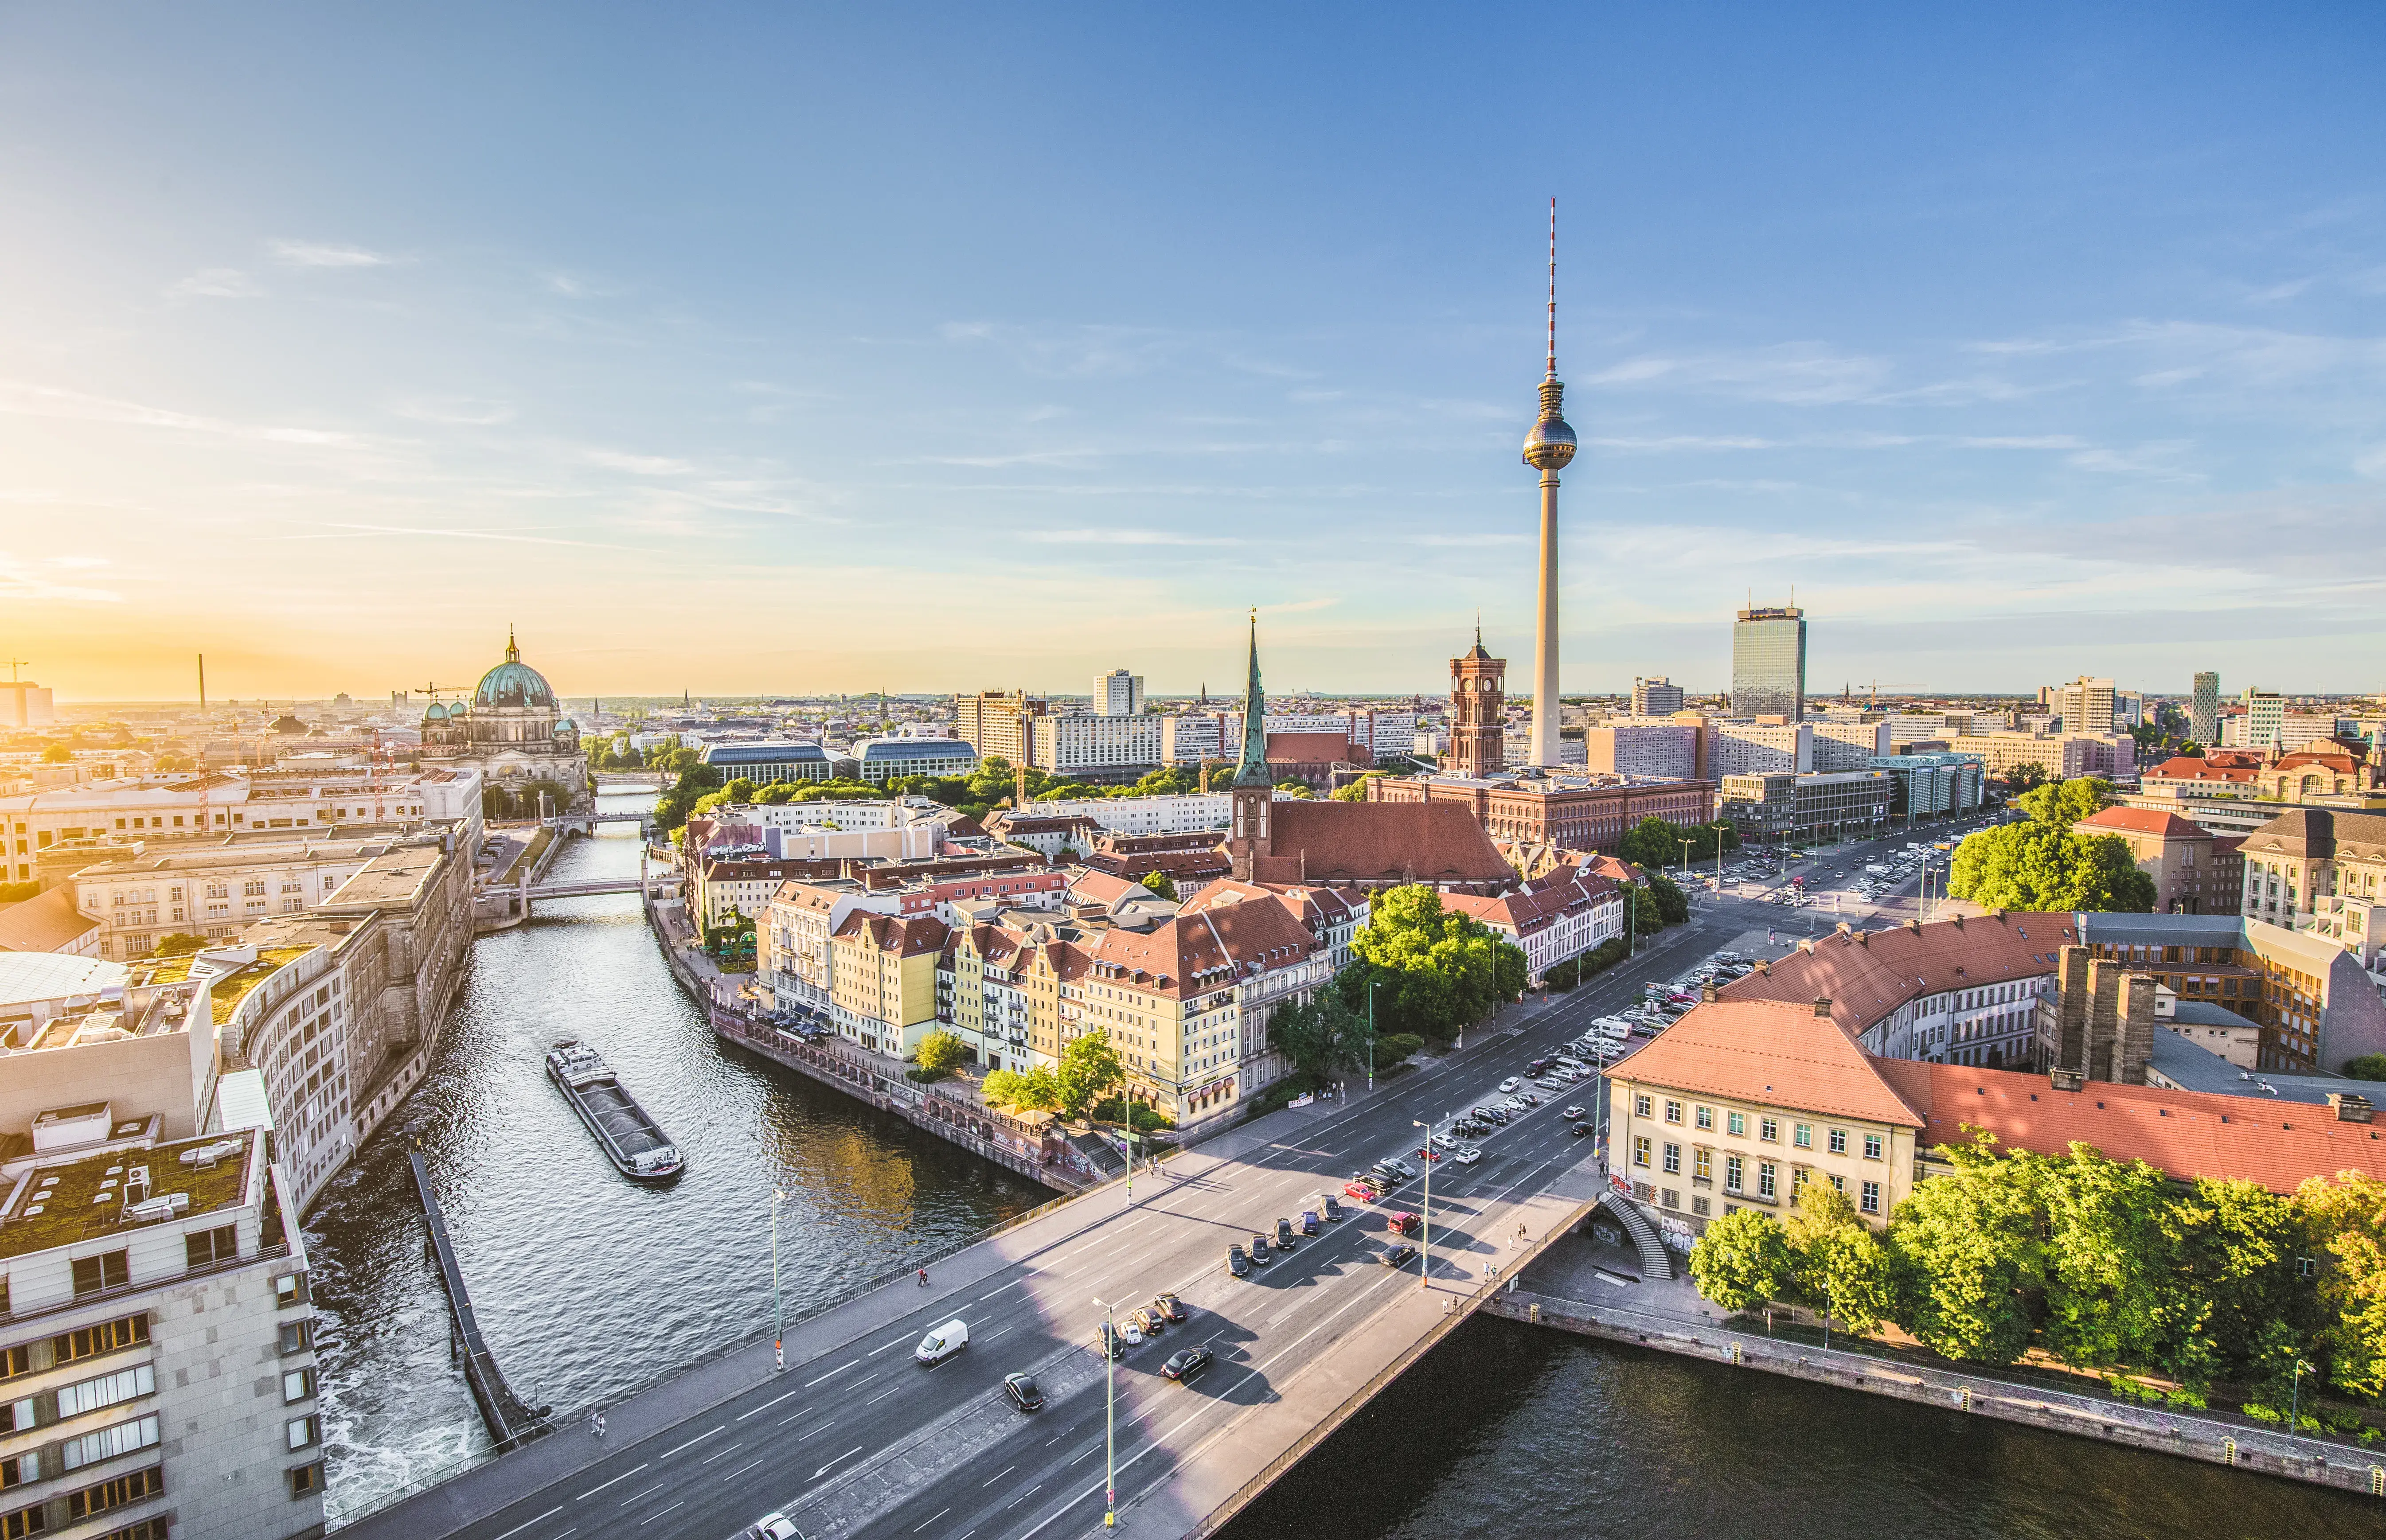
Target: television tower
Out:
[1548,449]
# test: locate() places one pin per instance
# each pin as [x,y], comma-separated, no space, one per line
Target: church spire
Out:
[1251,770]
[514,653]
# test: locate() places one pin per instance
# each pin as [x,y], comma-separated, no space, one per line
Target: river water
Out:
[591,1288]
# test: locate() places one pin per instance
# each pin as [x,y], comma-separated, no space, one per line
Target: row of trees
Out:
[1654,843]
[2043,863]
[2106,1265]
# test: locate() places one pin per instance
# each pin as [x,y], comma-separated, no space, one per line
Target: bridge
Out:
[853,1438]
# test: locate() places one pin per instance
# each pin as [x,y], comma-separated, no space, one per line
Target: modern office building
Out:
[879,760]
[2265,715]
[768,763]
[1656,697]
[1932,785]
[1768,663]
[1760,749]
[1662,749]
[2203,715]
[1841,745]
[2085,705]
[1118,693]
[1784,805]
[996,723]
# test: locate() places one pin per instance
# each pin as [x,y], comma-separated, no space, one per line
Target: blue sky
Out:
[773,347]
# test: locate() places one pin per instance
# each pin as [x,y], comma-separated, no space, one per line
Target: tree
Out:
[2346,1218]
[1656,843]
[1298,789]
[1969,1259]
[2044,865]
[2113,1291]
[2065,803]
[1397,1048]
[1838,1264]
[1433,969]
[2022,777]
[1743,1262]
[1357,790]
[1035,1090]
[942,1051]
[1672,904]
[1161,883]
[2233,1244]
[1090,1070]
[175,944]
[56,753]
[1319,1035]
[2366,1067]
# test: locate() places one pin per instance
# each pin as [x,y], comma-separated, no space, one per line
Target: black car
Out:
[1537,1066]
[1112,1340]
[1284,1234]
[1170,1307]
[1183,1365]
[1259,1249]
[1309,1222]
[1022,1390]
[1236,1262]
[1582,1130]
[1396,1256]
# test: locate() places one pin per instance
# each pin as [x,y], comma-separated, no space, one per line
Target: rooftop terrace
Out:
[80,1200]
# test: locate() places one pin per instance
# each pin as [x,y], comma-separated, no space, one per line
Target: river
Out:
[588,1286]
[591,1288]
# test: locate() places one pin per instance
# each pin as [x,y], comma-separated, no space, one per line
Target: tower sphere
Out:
[1550,447]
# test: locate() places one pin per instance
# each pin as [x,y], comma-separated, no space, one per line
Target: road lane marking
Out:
[840,1460]
[659,1513]
[748,1466]
[541,1519]
[601,1485]
[984,1297]
[831,1375]
[766,1406]
[816,1432]
[939,1514]
[876,1351]
[882,1396]
[633,1496]
[691,1443]
[996,1477]
[724,1449]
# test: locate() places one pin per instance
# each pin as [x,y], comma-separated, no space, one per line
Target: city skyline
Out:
[624,358]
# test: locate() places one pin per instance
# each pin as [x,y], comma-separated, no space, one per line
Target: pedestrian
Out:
[597,1424]
[923,1278]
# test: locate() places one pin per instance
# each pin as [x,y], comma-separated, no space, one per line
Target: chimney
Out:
[2067,1079]
[2133,1039]
[2350,1107]
[1763,966]
[1822,1007]
[1959,922]
[1863,939]
[1915,925]
[1707,990]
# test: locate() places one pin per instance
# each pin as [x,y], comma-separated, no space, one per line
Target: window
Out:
[302,1431]
[106,1337]
[210,1246]
[1700,1206]
[1765,1179]
[25,1520]
[1870,1201]
[1872,1147]
[1640,1149]
[296,1386]
[14,1361]
[1732,1169]
[1768,1130]
[106,1389]
[1672,1159]
[1702,1164]
[1736,1124]
[289,1289]
[306,1479]
[1838,1182]
[93,1274]
[108,1443]
[1704,1117]
[297,1335]
[1803,1135]
[1673,1112]
[143,1529]
[139,1486]
[1839,1142]
[1640,1106]
[16,1470]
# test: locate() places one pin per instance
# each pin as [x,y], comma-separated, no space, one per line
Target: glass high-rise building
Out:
[2204,717]
[1768,664]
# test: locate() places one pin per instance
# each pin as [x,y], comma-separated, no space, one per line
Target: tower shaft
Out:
[1545,642]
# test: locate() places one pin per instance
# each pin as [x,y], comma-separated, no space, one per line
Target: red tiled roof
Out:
[1866,975]
[1773,1052]
[2186,1133]
[905,935]
[2143,821]
[2188,768]
[1380,843]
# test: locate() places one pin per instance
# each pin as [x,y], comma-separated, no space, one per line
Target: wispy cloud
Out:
[637,465]
[1794,373]
[24,399]
[461,411]
[215,283]
[508,536]
[1123,537]
[324,254]
[31,579]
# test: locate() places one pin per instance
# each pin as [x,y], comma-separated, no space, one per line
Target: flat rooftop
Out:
[394,878]
[81,1200]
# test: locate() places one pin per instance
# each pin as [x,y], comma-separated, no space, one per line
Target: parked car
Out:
[1362,1189]
[1309,1222]
[1334,1213]
[1168,1307]
[1148,1321]
[1397,1256]
[1238,1262]
[1284,1234]
[1404,1223]
[1510,1083]
[1259,1250]
[1110,1342]
[1428,1153]
[1537,1066]
[772,1526]
[1020,1389]
[1130,1334]
[1185,1363]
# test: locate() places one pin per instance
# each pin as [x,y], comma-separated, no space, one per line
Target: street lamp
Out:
[2295,1398]
[1110,1417]
[1424,1252]
[1685,863]
[1373,986]
[778,1320]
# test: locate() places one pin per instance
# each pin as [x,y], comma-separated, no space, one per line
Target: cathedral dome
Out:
[513,683]
[437,713]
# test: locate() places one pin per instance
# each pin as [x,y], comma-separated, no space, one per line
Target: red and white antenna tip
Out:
[1553,288]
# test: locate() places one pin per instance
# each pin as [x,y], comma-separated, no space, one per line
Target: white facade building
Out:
[1760,749]
[1118,693]
[1088,744]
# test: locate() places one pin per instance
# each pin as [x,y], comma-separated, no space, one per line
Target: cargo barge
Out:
[634,1142]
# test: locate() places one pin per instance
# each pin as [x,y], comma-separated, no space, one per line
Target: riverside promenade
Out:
[1594,1287]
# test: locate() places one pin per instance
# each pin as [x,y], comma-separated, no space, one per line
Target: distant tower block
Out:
[1549,448]
[1478,704]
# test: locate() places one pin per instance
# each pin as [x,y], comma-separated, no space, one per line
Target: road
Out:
[863,1440]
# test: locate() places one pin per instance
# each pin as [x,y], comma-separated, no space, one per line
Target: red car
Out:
[1429,1152]
[1364,1191]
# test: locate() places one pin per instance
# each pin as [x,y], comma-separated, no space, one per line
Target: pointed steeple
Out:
[1251,769]
[514,653]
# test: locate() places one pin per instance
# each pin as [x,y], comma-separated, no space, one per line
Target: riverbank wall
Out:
[2246,1447]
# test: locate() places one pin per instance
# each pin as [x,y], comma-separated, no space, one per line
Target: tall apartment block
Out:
[1768,663]
[1656,697]
[1118,693]
[2085,705]
[996,722]
[2203,715]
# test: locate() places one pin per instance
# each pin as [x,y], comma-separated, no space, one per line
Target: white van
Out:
[943,1342]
